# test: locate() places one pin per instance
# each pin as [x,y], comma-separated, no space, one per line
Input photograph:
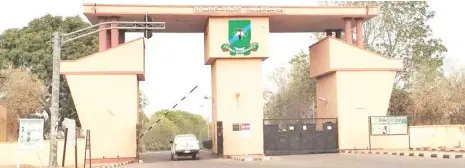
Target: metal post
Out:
[64,148]
[55,99]
[369,132]
[408,132]
[75,149]
[90,152]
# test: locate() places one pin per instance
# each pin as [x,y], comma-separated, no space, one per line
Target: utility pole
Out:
[55,99]
[58,40]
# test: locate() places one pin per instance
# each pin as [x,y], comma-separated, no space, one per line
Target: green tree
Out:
[173,123]
[142,119]
[187,123]
[143,101]
[30,47]
[295,93]
[160,135]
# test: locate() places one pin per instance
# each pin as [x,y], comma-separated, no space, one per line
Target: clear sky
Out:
[174,62]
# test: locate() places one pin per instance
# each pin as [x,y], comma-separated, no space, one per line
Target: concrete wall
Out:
[107,105]
[389,142]
[432,136]
[9,153]
[435,136]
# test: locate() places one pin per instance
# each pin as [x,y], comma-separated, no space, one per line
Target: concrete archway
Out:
[104,85]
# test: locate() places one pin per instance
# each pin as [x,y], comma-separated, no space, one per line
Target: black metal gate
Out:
[219,138]
[300,136]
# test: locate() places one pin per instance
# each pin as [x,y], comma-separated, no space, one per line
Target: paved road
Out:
[162,159]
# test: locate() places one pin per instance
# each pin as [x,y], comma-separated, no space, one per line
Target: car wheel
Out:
[194,156]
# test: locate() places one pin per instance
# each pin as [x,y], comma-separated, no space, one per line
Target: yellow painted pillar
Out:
[235,48]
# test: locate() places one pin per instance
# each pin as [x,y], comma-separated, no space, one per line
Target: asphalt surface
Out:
[162,159]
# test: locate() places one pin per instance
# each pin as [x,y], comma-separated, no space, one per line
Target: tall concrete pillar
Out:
[237,85]
[102,36]
[114,32]
[359,31]
[348,29]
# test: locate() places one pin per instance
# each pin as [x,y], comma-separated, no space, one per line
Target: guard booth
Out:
[300,136]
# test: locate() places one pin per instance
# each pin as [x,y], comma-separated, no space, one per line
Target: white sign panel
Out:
[389,125]
[31,134]
[71,125]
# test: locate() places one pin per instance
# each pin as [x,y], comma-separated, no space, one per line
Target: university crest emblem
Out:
[239,36]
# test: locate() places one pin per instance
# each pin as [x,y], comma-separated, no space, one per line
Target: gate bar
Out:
[192,90]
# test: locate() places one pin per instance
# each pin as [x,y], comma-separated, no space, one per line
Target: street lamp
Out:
[59,39]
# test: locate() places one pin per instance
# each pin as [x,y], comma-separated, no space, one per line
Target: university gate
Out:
[300,136]
[236,42]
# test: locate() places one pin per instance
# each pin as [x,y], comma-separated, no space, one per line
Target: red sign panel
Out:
[245,127]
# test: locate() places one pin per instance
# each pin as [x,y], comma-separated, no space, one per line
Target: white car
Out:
[184,145]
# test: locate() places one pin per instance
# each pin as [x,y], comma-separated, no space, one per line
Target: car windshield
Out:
[184,137]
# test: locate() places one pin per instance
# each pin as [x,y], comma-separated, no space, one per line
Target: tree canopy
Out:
[170,125]
[22,91]
[295,91]
[30,48]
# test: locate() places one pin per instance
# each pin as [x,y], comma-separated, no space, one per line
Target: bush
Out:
[207,144]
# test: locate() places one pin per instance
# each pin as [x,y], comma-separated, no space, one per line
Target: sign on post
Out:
[31,134]
[30,139]
[389,125]
[71,137]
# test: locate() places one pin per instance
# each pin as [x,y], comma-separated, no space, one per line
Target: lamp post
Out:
[59,39]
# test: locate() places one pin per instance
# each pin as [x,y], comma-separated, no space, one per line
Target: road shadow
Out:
[165,156]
